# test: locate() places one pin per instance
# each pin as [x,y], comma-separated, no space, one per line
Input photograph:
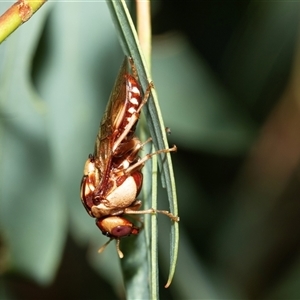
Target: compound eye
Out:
[116,227]
[121,231]
[96,201]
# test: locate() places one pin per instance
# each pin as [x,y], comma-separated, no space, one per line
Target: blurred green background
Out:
[227,76]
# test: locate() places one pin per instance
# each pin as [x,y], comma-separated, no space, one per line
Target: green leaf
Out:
[129,41]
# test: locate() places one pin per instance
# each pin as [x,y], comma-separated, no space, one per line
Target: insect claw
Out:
[151,85]
[173,149]
[168,130]
[170,215]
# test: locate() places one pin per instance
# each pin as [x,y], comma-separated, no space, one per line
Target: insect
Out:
[112,175]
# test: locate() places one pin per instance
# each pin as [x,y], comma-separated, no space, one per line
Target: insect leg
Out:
[148,156]
[151,211]
[134,118]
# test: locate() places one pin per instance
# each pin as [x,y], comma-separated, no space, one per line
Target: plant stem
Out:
[16,15]
[144,28]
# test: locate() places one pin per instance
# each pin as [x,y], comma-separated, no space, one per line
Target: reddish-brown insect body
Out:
[112,175]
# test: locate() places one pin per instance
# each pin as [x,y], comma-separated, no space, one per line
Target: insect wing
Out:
[111,120]
[124,101]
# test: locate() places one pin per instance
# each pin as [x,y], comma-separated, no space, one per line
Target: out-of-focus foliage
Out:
[226,76]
